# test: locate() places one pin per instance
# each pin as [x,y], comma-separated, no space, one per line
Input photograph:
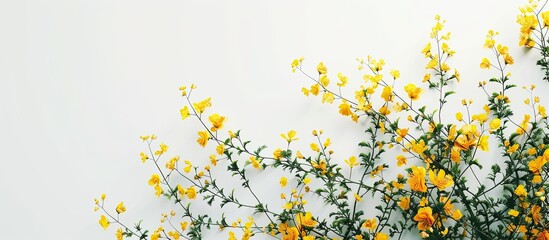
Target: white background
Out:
[82,80]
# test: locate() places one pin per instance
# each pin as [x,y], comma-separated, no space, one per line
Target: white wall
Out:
[81,80]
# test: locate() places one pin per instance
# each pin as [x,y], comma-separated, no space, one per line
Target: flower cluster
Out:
[437,190]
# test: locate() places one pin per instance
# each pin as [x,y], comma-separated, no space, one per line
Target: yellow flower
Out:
[118,234]
[345,108]
[154,180]
[520,191]
[295,64]
[191,192]
[328,97]
[378,65]
[424,218]
[395,74]
[324,81]
[255,163]
[283,181]
[401,160]
[321,68]
[305,220]
[404,203]
[513,212]
[495,124]
[433,63]
[203,137]
[418,147]
[352,162]
[427,77]
[416,179]
[381,236]
[424,201]
[163,149]
[413,91]
[370,224]
[485,64]
[342,80]
[184,112]
[315,89]
[315,147]
[189,166]
[387,93]
[291,234]
[542,111]
[217,121]
[536,215]
[171,163]
[158,190]
[357,197]
[120,208]
[536,165]
[201,106]
[232,236]
[483,143]
[220,149]
[427,50]
[441,180]
[184,225]
[459,116]
[277,154]
[444,67]
[104,222]
[144,156]
[384,110]
[508,59]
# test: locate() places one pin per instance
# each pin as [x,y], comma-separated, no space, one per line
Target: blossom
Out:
[345,108]
[291,234]
[387,93]
[321,68]
[324,80]
[395,73]
[441,180]
[119,234]
[417,179]
[483,143]
[277,154]
[404,203]
[184,112]
[424,218]
[120,208]
[290,136]
[370,224]
[305,220]
[401,160]
[283,181]
[413,91]
[520,191]
[217,121]
[154,180]
[381,236]
[535,165]
[485,63]
[191,192]
[342,80]
[143,156]
[536,215]
[203,137]
[104,222]
[495,124]
[352,162]
[201,106]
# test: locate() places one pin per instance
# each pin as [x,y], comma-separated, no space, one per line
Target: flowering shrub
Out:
[438,191]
